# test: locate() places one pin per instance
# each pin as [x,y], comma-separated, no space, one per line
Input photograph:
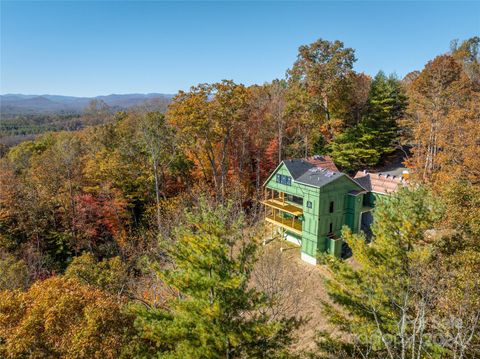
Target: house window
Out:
[309,204]
[331,228]
[295,199]
[331,207]
[286,180]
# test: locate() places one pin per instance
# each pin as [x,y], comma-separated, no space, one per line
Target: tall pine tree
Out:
[412,292]
[374,136]
[215,313]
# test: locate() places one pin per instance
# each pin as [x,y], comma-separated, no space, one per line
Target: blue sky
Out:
[86,48]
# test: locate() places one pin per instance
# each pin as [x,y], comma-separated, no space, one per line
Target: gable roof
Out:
[303,171]
[378,182]
[316,171]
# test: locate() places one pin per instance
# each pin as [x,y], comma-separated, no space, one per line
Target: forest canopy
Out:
[138,233]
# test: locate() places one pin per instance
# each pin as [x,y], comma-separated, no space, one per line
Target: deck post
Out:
[266,197]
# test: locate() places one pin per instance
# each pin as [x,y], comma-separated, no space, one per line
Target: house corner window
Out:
[331,206]
[309,204]
[331,228]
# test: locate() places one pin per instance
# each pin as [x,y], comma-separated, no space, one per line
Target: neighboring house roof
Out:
[379,182]
[323,162]
[303,171]
[364,181]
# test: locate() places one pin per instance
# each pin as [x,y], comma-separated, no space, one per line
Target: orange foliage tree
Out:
[206,118]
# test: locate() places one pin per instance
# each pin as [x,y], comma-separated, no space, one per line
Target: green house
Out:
[308,201]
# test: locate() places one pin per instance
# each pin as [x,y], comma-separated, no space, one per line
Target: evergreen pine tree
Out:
[353,149]
[215,313]
[374,136]
[379,300]
[386,105]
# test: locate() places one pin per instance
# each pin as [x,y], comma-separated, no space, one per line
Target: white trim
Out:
[274,171]
[360,218]
[384,193]
[308,258]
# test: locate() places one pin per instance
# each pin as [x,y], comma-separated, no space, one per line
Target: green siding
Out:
[344,207]
[316,221]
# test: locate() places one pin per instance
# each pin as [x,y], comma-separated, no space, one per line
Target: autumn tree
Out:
[96,112]
[444,110]
[353,103]
[66,193]
[135,165]
[118,166]
[277,94]
[13,273]
[39,203]
[315,83]
[261,139]
[61,318]
[462,199]
[110,274]
[206,118]
[468,55]
[98,222]
[159,140]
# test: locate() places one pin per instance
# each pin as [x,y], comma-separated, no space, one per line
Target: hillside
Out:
[19,104]
[156,231]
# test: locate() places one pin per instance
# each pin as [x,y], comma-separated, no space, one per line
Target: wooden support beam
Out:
[267,241]
[282,249]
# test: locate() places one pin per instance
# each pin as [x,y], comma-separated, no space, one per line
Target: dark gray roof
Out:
[364,182]
[309,174]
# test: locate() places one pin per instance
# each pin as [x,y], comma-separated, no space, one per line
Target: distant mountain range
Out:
[42,104]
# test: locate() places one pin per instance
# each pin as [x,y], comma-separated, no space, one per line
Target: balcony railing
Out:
[279,204]
[282,213]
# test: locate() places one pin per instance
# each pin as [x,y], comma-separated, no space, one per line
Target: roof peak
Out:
[312,174]
[321,161]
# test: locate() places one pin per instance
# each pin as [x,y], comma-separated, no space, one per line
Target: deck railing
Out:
[281,213]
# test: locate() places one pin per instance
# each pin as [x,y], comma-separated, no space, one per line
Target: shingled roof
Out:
[378,182]
[322,162]
[305,172]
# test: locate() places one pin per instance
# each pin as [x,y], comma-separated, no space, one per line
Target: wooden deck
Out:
[277,203]
[291,225]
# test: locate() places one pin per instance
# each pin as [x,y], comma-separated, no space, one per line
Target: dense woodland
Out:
[19,125]
[138,234]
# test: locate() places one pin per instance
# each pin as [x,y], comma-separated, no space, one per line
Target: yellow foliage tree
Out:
[62,318]
[445,113]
